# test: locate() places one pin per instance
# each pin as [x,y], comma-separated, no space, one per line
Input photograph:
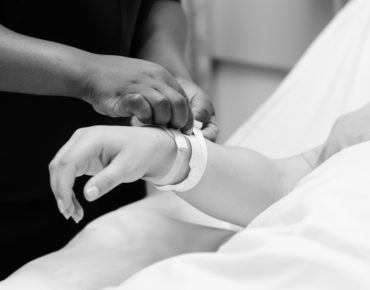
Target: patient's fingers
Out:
[124,168]
[104,181]
[76,135]
[78,214]
[72,161]
[65,207]
[62,178]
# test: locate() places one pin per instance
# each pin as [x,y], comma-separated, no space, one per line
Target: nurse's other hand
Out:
[348,130]
[202,108]
[112,155]
[119,86]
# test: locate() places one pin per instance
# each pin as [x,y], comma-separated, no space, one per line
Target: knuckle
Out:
[63,162]
[135,101]
[52,165]
[142,78]
[57,164]
[136,78]
[157,71]
[80,131]
[101,109]
[106,181]
[162,103]
[157,68]
[180,103]
[202,115]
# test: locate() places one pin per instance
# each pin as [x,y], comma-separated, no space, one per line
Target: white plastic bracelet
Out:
[182,148]
[197,164]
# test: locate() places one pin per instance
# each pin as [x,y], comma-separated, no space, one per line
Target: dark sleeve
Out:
[145,8]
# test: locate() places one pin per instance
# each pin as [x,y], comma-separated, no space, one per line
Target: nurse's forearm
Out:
[163,38]
[238,183]
[34,66]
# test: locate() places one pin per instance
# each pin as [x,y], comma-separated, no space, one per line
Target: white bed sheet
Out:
[318,237]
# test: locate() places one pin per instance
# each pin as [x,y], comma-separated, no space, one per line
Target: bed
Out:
[315,238]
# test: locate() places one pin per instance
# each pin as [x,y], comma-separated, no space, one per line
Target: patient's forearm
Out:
[239,183]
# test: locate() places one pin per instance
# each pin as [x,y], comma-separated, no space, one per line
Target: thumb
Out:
[103,182]
[202,108]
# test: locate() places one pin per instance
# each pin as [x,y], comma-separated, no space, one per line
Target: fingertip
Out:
[188,128]
[78,213]
[60,205]
[145,120]
[69,212]
[190,122]
[140,108]
[92,193]
[76,218]
[64,207]
[211,136]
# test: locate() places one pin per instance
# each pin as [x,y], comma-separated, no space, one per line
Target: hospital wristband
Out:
[181,157]
[197,164]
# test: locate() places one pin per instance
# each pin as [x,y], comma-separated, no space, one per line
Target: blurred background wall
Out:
[240,50]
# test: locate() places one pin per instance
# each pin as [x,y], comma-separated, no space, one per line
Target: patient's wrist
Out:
[166,155]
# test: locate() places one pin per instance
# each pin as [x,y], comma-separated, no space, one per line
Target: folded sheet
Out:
[318,237]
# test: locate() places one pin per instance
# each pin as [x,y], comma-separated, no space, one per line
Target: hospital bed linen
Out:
[315,238]
[318,233]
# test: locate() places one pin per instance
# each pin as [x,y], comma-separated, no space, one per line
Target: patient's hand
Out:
[348,130]
[113,155]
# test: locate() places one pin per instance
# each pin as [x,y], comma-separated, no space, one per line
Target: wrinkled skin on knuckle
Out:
[202,115]
[180,103]
[161,105]
[135,101]
[101,108]
[112,106]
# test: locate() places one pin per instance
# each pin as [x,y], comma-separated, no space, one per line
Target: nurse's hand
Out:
[348,130]
[112,155]
[122,87]
[202,108]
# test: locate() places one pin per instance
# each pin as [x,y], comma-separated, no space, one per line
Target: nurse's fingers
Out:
[181,117]
[211,130]
[160,105]
[136,105]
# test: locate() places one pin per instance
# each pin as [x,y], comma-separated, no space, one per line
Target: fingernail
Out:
[66,215]
[68,212]
[76,218]
[92,193]
[60,205]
